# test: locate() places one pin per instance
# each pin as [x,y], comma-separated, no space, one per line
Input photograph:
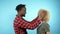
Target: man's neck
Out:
[19,14]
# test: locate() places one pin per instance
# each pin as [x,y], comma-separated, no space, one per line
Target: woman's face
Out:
[42,14]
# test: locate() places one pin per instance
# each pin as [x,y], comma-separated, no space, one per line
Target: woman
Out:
[44,28]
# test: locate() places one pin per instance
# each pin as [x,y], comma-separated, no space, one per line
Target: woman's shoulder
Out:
[45,24]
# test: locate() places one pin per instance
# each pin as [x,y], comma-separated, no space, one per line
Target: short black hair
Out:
[19,7]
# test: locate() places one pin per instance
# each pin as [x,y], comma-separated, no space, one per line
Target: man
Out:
[20,25]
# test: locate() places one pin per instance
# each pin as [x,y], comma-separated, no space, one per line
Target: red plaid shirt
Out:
[20,25]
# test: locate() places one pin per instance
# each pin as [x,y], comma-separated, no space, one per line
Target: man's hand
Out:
[39,16]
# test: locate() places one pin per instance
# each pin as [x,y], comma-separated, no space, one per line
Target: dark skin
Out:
[22,13]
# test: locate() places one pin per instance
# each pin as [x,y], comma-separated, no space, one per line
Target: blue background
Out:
[8,12]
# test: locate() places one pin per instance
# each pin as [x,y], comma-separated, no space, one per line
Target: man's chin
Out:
[23,15]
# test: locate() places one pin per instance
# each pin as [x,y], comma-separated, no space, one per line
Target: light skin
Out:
[42,14]
[47,32]
[22,13]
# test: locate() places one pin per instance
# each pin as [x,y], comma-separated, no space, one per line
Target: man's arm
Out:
[27,25]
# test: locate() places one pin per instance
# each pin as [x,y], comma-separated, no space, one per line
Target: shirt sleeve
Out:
[47,28]
[27,25]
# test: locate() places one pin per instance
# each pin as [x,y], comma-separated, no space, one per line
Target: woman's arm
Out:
[47,28]
[47,32]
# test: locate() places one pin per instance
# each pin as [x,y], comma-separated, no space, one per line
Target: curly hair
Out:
[47,15]
[19,7]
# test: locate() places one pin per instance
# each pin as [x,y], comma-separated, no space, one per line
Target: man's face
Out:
[23,11]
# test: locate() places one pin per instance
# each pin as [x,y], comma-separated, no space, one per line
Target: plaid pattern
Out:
[20,25]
